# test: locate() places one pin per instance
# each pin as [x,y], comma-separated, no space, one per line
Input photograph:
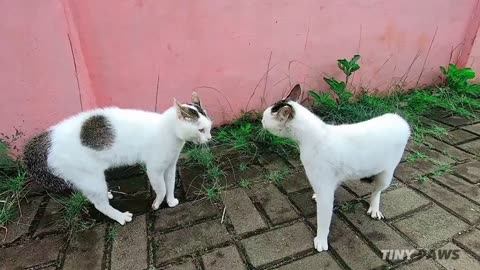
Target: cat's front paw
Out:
[172,203]
[124,218]
[110,195]
[156,203]
[320,244]
[375,213]
[314,197]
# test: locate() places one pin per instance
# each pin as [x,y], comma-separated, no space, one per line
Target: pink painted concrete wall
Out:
[58,57]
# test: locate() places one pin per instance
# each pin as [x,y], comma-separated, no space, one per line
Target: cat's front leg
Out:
[324,199]
[157,181]
[170,183]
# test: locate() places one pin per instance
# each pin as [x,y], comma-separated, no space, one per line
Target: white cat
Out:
[333,154]
[74,154]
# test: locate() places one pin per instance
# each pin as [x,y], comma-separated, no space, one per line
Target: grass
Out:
[247,136]
[444,168]
[112,233]
[278,176]
[12,185]
[75,207]
[414,156]
[245,183]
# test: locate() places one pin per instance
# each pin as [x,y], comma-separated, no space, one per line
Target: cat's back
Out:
[388,125]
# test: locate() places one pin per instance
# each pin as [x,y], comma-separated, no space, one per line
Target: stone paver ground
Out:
[433,204]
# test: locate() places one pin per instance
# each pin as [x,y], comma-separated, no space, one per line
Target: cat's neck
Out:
[168,127]
[307,128]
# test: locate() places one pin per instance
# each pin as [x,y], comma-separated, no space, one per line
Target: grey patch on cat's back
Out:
[35,156]
[97,133]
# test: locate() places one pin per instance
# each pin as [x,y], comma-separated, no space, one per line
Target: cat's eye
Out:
[201,130]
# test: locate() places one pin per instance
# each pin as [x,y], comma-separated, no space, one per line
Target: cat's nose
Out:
[209,137]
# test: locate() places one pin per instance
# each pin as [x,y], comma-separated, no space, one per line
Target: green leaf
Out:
[355,59]
[444,71]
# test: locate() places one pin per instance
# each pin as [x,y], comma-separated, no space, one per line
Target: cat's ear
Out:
[295,93]
[285,113]
[196,99]
[184,112]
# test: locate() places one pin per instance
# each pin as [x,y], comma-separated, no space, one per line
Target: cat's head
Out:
[193,123]
[278,116]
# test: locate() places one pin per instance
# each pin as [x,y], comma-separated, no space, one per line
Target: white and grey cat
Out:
[74,154]
[332,154]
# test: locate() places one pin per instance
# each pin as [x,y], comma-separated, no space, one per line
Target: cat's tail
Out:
[35,157]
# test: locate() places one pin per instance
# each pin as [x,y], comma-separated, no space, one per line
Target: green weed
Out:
[444,168]
[422,179]
[459,97]
[243,167]
[74,208]
[213,193]
[112,233]
[278,176]
[414,156]
[245,183]
[12,185]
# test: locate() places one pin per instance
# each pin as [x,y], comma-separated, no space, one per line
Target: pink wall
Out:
[226,50]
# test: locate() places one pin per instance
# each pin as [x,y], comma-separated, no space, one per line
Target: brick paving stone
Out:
[455,121]
[296,162]
[189,265]
[450,200]
[360,188]
[475,128]
[272,163]
[432,123]
[304,202]
[184,214]
[52,219]
[469,171]
[432,154]
[355,253]
[21,225]
[342,196]
[85,250]
[407,173]
[278,244]
[274,203]
[31,253]
[461,186]
[404,156]
[223,258]
[420,265]
[472,147]
[401,201]
[470,241]
[320,261]
[458,136]
[449,150]
[295,182]
[465,260]
[129,248]
[192,239]
[428,227]
[241,211]
[307,206]
[376,231]
[133,187]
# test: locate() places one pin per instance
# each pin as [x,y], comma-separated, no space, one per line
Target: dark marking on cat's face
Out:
[199,109]
[97,133]
[35,157]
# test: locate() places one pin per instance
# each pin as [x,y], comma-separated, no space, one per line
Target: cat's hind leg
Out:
[382,181]
[94,187]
